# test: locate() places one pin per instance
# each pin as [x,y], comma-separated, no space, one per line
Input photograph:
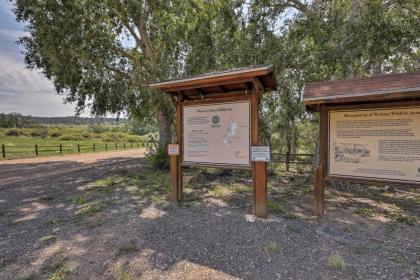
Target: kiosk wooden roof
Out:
[384,88]
[232,82]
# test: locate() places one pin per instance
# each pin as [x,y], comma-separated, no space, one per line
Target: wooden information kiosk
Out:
[217,125]
[369,131]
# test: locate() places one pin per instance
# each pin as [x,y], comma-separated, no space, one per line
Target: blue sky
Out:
[22,90]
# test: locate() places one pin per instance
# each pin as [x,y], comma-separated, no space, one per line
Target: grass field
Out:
[20,142]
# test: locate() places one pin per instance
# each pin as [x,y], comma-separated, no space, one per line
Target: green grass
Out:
[57,271]
[364,211]
[271,247]
[126,249]
[51,137]
[336,262]
[276,208]
[123,274]
[89,210]
[80,200]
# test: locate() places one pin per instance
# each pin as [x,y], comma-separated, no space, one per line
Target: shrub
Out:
[157,157]
[71,137]
[13,132]
[98,129]
[55,134]
[40,133]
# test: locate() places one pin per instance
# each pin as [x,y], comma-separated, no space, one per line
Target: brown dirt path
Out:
[18,170]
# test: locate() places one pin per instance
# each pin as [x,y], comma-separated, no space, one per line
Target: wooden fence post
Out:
[137,144]
[124,145]
[93,147]
[61,149]
[78,148]
[106,146]
[287,161]
[131,144]
[36,150]
[116,145]
[3,150]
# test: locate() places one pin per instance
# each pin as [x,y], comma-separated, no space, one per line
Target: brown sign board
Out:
[369,130]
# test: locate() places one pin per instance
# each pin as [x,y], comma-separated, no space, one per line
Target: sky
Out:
[23,90]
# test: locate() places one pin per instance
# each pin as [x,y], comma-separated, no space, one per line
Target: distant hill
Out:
[76,120]
[17,120]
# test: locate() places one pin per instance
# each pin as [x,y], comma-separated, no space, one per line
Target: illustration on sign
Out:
[173,149]
[217,133]
[375,143]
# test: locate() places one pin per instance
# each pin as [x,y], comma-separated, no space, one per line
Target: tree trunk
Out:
[165,134]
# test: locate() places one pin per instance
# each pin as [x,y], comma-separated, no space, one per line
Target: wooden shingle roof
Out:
[389,87]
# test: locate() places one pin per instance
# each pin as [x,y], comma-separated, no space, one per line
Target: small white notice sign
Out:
[260,153]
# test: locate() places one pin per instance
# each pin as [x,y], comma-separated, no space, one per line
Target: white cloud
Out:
[28,92]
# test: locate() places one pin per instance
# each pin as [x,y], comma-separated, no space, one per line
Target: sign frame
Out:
[217,164]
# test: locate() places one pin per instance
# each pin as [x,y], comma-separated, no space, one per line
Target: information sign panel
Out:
[260,153]
[217,133]
[375,143]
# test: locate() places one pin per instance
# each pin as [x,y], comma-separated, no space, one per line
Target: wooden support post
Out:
[261,189]
[179,132]
[116,145]
[93,148]
[3,150]
[36,150]
[174,177]
[259,169]
[320,171]
[61,149]
[106,146]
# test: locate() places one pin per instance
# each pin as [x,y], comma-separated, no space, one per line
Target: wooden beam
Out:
[179,120]
[320,171]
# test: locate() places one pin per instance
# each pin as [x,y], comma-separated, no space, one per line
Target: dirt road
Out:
[18,170]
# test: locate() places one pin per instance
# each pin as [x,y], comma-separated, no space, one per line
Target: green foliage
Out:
[319,40]
[336,262]
[363,211]
[157,157]
[15,120]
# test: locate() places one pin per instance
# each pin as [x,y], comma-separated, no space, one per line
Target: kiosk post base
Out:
[260,189]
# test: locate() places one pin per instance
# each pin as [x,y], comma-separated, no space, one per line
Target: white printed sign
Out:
[217,133]
[260,153]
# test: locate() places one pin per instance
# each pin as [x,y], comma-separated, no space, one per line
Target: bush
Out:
[40,133]
[157,157]
[98,129]
[71,137]
[113,137]
[55,134]
[13,132]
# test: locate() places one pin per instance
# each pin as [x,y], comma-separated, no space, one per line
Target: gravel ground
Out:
[110,220]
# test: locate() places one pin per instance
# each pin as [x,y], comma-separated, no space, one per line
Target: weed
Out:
[336,262]
[58,271]
[271,247]
[363,211]
[89,210]
[409,220]
[54,221]
[276,208]
[127,249]
[293,228]
[123,275]
[218,191]
[360,249]
[48,239]
[80,200]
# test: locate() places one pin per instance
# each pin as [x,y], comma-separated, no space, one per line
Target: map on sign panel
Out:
[217,133]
